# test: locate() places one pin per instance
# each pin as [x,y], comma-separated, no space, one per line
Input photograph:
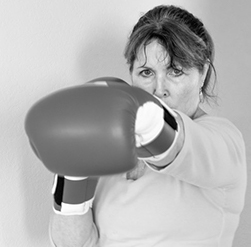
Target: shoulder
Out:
[214,128]
[208,122]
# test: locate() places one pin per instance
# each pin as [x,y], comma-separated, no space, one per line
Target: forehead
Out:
[154,53]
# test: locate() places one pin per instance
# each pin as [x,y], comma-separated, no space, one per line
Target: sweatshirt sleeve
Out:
[213,153]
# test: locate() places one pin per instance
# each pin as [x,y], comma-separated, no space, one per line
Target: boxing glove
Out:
[90,130]
[72,195]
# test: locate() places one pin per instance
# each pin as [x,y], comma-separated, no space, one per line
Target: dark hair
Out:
[183,36]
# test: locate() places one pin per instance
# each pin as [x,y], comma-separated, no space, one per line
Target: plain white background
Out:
[50,44]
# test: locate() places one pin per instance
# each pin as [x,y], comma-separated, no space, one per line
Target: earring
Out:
[201,97]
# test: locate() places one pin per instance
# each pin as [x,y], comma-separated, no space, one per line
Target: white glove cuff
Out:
[149,123]
[76,209]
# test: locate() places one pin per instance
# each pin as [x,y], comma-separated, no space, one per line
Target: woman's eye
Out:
[146,73]
[176,72]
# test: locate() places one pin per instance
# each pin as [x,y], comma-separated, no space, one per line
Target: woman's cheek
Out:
[188,102]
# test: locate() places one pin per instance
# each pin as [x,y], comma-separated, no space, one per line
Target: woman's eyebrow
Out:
[143,66]
[169,66]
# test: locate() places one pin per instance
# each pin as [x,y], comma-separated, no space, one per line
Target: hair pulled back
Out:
[182,35]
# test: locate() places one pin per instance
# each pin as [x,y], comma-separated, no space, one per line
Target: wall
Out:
[230,27]
[50,44]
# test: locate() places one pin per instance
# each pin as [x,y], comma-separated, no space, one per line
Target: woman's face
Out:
[179,88]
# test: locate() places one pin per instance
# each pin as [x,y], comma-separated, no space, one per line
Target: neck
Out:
[199,113]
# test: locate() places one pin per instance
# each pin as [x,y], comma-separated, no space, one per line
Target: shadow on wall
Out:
[37,184]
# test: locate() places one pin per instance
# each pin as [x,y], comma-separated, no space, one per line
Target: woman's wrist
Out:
[165,159]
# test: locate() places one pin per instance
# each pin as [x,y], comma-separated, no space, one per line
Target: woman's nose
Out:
[161,90]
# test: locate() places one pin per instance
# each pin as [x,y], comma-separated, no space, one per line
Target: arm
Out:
[213,153]
[161,131]
[72,222]
[75,230]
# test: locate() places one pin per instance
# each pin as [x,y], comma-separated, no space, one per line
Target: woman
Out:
[192,196]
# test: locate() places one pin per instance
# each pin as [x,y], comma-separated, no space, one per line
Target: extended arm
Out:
[75,230]
[66,134]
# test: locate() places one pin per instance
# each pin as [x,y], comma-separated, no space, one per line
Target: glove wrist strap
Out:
[73,196]
[159,145]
